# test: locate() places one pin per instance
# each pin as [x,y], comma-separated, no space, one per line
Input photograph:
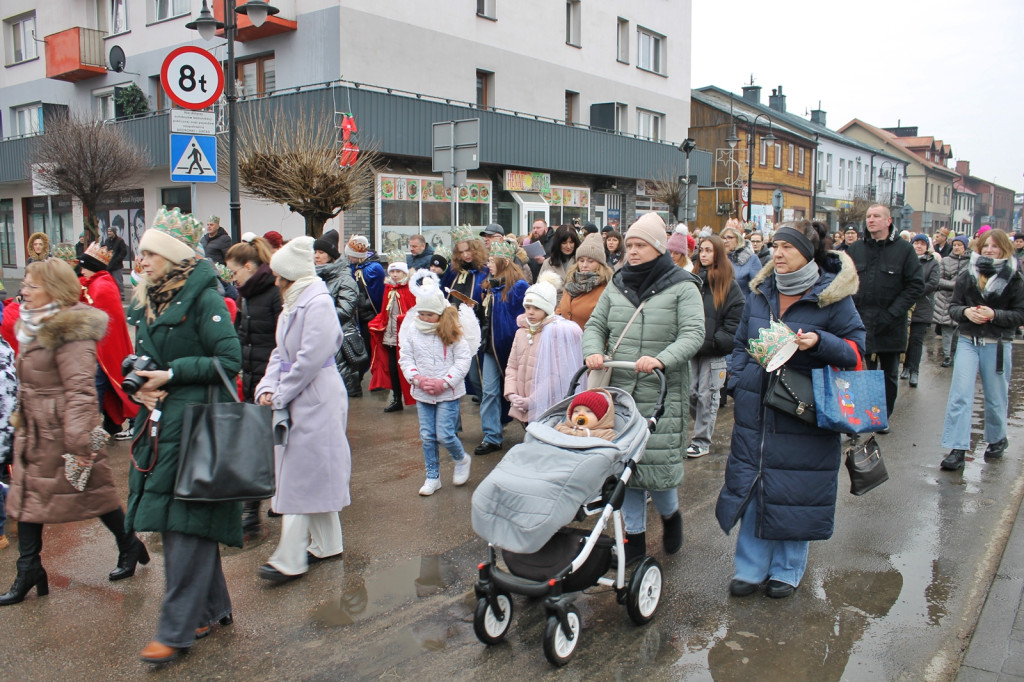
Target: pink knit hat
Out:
[678,243]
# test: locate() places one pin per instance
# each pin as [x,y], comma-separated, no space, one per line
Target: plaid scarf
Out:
[163,290]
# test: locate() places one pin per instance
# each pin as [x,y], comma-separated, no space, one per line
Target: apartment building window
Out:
[859,171]
[7,249]
[572,107]
[484,89]
[648,124]
[112,16]
[802,153]
[791,157]
[621,118]
[20,38]
[778,154]
[573,22]
[622,41]
[849,174]
[817,167]
[842,173]
[487,9]
[650,47]
[28,120]
[256,76]
[166,9]
[828,170]
[105,108]
[764,152]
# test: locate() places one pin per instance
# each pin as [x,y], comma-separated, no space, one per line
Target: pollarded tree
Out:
[86,159]
[293,160]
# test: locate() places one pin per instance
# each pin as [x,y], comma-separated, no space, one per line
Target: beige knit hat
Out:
[651,228]
[593,247]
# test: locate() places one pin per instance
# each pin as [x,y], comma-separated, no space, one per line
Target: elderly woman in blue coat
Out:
[782,473]
[314,465]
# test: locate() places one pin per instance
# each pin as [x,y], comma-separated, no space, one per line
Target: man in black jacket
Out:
[216,241]
[891,281]
[119,251]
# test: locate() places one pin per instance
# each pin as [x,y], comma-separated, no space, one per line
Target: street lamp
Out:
[688,145]
[207,25]
[892,180]
[751,133]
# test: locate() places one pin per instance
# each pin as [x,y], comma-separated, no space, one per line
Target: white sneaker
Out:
[123,435]
[462,470]
[430,487]
[693,452]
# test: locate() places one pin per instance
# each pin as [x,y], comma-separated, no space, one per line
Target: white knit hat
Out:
[294,260]
[399,265]
[426,287]
[544,294]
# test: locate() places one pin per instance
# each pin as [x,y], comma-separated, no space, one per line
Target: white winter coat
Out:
[425,355]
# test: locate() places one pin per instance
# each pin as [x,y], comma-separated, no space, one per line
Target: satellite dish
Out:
[117,59]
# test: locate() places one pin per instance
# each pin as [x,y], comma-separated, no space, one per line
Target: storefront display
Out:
[411,205]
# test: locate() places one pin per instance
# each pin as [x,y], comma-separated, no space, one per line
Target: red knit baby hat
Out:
[596,402]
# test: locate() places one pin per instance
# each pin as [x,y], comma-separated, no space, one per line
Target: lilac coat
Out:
[314,468]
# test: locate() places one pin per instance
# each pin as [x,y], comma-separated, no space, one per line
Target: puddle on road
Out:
[385,590]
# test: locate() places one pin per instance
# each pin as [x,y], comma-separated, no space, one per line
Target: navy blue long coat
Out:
[788,468]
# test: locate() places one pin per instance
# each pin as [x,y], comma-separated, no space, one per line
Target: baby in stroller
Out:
[590,416]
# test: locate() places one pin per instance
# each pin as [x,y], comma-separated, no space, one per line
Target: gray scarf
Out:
[796,283]
[32,320]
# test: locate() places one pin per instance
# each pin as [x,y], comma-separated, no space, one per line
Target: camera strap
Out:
[153,426]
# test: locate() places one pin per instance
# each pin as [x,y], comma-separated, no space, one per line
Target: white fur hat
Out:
[544,294]
[294,260]
[426,287]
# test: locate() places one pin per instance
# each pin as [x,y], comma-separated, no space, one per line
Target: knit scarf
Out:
[796,283]
[582,283]
[291,296]
[426,327]
[996,271]
[32,319]
[162,290]
[641,277]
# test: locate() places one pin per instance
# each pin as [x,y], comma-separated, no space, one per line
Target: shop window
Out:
[39,209]
[650,48]
[622,41]
[648,124]
[256,76]
[176,197]
[20,38]
[7,247]
[566,204]
[573,22]
[411,205]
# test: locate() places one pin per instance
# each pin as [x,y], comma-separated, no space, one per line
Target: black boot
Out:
[672,529]
[23,583]
[905,374]
[947,361]
[954,460]
[636,546]
[252,528]
[913,379]
[128,559]
[996,450]
[396,403]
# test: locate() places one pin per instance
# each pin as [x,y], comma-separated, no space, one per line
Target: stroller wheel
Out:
[559,647]
[490,628]
[644,591]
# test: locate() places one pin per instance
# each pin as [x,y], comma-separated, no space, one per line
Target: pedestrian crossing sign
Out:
[193,158]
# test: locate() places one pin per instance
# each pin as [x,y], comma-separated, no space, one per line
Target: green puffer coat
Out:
[193,329]
[669,328]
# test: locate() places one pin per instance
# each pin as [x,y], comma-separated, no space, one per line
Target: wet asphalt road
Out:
[894,595]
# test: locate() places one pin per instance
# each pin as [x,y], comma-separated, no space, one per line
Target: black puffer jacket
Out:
[720,324]
[1005,297]
[924,309]
[891,281]
[258,309]
[343,289]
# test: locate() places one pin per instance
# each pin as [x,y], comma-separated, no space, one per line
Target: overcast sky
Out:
[953,69]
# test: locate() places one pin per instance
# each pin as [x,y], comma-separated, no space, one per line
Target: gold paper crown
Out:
[100,253]
[504,249]
[771,339]
[182,226]
[66,252]
[463,233]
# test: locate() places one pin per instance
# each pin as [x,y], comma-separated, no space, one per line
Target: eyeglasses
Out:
[30,287]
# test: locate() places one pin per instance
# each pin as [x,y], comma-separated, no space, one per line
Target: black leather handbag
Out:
[865,464]
[792,392]
[227,450]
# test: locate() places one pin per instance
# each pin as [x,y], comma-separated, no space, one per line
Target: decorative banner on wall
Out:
[405,188]
[527,181]
[568,196]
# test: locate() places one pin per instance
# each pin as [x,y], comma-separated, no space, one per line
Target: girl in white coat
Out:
[434,356]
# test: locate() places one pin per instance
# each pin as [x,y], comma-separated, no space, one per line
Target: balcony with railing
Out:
[75,54]
[866,192]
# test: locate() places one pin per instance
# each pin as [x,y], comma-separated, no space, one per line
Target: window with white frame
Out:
[648,124]
[764,152]
[622,41]
[650,51]
[20,38]
[842,173]
[28,120]
[859,171]
[487,9]
[165,9]
[802,152]
[112,16]
[828,170]
[106,109]
[778,154]
[621,117]
[849,174]
[790,157]
[573,22]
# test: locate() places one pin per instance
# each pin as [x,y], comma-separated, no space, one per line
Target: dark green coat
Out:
[193,329]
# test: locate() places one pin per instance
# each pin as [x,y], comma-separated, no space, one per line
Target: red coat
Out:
[12,311]
[380,372]
[101,292]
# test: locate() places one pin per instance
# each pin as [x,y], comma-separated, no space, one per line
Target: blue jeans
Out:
[970,358]
[490,401]
[634,507]
[757,559]
[437,426]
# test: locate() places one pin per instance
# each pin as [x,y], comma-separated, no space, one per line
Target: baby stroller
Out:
[547,481]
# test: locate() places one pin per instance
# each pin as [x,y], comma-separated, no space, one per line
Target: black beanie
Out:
[327,247]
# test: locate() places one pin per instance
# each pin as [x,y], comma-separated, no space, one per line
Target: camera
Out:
[130,368]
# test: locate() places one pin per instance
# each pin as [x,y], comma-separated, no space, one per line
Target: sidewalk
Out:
[996,651]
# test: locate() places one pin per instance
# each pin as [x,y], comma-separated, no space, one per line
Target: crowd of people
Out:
[506,320]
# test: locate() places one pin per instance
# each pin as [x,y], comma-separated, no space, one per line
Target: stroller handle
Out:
[659,407]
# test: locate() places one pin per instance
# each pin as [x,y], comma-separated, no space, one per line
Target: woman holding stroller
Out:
[781,476]
[651,314]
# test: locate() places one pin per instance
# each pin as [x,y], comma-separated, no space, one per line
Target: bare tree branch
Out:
[86,159]
[296,163]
